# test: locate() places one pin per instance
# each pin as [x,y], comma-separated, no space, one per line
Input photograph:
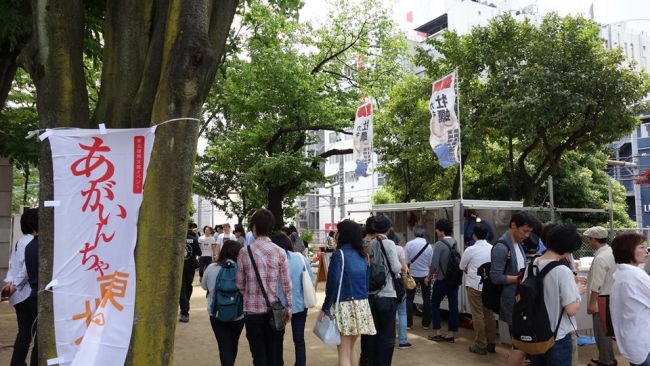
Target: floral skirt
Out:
[354,318]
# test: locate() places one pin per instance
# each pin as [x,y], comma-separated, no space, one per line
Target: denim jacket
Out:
[356,277]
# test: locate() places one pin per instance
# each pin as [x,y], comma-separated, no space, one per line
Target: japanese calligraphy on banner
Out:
[362,140]
[445,130]
[98,183]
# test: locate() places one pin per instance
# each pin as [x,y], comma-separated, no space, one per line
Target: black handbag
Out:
[275,308]
[398,284]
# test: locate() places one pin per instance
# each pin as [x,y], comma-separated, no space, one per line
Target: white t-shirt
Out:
[223,237]
[521,260]
[205,242]
[474,257]
[560,290]
[630,309]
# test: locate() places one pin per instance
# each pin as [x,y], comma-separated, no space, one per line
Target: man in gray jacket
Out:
[437,270]
[508,259]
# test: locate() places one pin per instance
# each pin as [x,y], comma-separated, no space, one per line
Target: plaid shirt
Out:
[273,266]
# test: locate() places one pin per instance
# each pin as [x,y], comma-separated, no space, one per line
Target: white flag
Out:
[445,130]
[98,186]
[362,139]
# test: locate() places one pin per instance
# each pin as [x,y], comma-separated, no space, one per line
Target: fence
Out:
[587,251]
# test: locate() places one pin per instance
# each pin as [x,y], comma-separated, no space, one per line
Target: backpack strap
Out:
[508,256]
[418,255]
[450,249]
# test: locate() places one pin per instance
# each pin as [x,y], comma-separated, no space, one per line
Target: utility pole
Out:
[342,185]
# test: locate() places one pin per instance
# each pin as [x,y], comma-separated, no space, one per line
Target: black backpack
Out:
[531,327]
[378,268]
[491,292]
[454,275]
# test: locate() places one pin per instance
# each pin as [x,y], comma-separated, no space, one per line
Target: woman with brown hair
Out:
[630,298]
[352,310]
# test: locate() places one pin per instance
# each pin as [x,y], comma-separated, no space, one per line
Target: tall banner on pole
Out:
[362,140]
[445,129]
[99,178]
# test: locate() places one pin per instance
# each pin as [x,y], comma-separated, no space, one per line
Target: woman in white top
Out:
[18,288]
[630,298]
[206,242]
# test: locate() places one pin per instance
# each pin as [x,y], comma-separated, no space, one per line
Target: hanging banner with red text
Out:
[362,140]
[445,129]
[98,185]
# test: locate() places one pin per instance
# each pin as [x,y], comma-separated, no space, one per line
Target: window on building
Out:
[332,137]
[632,50]
[349,177]
[381,179]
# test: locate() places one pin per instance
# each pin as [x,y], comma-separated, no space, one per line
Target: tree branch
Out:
[341,51]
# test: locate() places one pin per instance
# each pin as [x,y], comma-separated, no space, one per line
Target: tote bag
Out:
[327,329]
[308,292]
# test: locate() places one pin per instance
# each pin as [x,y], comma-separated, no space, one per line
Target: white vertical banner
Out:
[445,129]
[99,178]
[362,139]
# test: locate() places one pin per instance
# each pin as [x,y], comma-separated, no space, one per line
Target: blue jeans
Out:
[559,355]
[298,321]
[644,363]
[381,345]
[401,323]
[440,290]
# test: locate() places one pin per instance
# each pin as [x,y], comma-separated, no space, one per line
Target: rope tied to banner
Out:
[102,128]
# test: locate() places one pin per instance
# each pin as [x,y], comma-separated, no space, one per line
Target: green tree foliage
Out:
[286,81]
[528,95]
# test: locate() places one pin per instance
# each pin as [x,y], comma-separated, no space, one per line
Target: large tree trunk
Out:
[160,61]
[275,198]
[55,62]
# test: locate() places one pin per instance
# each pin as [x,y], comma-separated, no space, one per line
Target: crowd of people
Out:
[255,280]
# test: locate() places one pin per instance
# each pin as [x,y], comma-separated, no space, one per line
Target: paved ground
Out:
[196,345]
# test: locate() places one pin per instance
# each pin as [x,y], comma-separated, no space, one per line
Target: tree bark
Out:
[54,58]
[160,61]
[275,198]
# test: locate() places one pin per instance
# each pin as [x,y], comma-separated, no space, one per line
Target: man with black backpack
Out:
[383,302]
[447,276]
[547,300]
[507,259]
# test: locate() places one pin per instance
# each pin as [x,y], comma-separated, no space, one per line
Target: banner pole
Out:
[460,154]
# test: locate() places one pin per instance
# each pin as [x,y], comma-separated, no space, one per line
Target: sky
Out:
[605,11]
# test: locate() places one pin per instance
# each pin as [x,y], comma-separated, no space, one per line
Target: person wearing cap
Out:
[383,303]
[599,282]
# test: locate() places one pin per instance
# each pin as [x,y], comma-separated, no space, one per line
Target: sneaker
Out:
[491,347]
[435,337]
[406,345]
[478,350]
[184,319]
[408,328]
[425,328]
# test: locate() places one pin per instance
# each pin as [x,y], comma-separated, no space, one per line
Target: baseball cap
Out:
[597,232]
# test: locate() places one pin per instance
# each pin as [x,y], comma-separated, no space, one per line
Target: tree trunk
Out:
[9,56]
[26,176]
[275,198]
[160,62]
[513,179]
[54,58]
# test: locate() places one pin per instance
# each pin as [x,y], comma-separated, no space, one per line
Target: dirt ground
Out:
[195,337]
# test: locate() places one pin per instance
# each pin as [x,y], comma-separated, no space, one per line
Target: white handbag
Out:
[327,329]
[308,292]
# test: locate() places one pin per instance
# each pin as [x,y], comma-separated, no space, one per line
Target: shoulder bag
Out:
[308,292]
[327,329]
[409,281]
[275,308]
